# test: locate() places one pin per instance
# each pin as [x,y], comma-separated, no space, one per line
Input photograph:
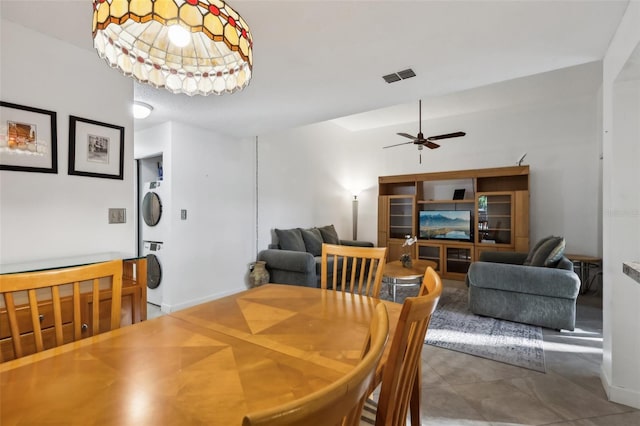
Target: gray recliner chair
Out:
[539,287]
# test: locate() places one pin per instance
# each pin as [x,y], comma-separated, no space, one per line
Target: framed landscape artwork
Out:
[95,149]
[28,139]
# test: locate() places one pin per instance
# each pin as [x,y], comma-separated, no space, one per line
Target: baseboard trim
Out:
[617,394]
[172,308]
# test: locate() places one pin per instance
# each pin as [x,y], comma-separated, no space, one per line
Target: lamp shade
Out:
[134,37]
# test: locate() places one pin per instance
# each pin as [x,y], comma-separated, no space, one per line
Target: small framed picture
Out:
[28,139]
[95,149]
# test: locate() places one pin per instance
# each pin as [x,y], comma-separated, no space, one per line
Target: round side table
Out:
[395,275]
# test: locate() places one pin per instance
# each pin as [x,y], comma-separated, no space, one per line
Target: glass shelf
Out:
[63,262]
[494,222]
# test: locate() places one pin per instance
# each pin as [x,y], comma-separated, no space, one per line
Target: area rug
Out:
[455,328]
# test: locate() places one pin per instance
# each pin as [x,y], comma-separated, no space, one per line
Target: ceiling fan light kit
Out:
[195,47]
[420,140]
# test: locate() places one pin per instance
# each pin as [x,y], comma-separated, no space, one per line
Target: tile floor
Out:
[460,389]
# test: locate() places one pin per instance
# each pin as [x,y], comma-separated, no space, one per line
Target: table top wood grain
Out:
[209,364]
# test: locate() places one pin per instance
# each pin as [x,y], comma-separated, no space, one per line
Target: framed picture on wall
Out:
[28,139]
[95,149]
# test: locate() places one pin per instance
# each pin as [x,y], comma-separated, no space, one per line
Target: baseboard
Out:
[617,394]
[172,308]
[164,308]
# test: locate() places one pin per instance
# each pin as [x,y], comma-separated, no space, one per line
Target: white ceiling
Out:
[322,60]
[631,70]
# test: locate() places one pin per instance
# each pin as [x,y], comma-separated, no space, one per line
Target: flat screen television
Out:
[445,225]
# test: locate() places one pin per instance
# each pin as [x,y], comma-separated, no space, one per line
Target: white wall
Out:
[213,177]
[621,216]
[56,215]
[306,174]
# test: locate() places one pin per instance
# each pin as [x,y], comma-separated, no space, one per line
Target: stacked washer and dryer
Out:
[154,231]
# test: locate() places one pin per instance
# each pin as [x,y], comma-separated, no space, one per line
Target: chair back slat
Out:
[13,324]
[35,320]
[341,402]
[33,284]
[116,306]
[354,269]
[95,306]
[77,326]
[57,314]
[403,364]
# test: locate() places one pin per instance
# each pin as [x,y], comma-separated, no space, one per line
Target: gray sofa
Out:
[522,287]
[294,257]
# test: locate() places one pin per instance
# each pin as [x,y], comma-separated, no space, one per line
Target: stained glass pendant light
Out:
[186,46]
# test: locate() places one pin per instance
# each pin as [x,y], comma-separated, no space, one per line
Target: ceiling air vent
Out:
[400,75]
[391,78]
[408,73]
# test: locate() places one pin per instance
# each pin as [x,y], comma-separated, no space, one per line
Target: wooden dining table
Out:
[209,364]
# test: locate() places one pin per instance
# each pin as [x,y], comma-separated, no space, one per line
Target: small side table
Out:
[396,275]
[584,264]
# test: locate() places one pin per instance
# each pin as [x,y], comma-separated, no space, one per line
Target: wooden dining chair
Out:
[353,269]
[341,402]
[43,291]
[401,375]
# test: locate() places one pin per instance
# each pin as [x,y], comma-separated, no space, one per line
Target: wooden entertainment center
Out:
[497,200]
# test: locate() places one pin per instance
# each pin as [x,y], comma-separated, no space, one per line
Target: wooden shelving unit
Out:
[497,199]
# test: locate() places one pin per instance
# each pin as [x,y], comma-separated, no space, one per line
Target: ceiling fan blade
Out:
[398,144]
[407,135]
[431,145]
[446,136]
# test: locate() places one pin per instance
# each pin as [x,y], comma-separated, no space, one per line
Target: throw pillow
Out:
[527,261]
[290,239]
[312,241]
[556,254]
[549,252]
[329,234]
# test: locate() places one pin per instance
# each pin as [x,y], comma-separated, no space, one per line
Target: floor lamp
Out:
[354,210]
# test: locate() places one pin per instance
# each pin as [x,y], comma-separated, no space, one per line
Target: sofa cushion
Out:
[290,239]
[549,282]
[330,262]
[549,253]
[312,241]
[329,234]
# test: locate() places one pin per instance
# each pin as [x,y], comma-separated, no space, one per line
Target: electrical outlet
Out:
[117,215]
[183,214]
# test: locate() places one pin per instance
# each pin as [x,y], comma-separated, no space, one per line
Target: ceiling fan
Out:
[421,141]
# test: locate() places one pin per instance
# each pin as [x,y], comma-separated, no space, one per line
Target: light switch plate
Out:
[183,214]
[117,215]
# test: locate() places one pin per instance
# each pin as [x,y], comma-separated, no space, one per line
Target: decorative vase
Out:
[406,260]
[259,274]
